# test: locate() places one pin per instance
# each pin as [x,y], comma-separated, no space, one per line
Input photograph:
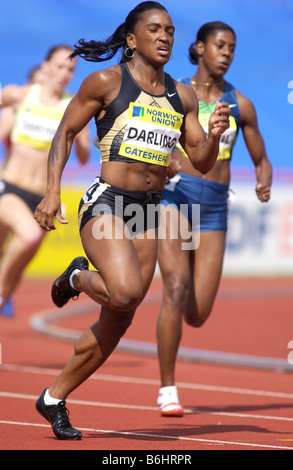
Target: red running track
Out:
[227,407]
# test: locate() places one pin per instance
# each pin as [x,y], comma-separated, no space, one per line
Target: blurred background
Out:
[260,237]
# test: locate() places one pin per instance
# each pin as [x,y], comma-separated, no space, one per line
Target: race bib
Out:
[151,134]
[227,139]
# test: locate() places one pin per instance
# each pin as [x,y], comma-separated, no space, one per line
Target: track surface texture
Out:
[233,375]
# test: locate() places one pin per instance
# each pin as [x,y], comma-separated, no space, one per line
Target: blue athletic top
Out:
[228,138]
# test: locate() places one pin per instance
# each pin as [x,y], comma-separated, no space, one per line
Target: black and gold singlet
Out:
[138,126]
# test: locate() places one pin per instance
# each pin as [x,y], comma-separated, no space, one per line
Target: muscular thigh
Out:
[120,259]
[16,216]
[173,254]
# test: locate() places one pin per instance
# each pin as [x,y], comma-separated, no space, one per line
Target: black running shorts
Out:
[139,210]
[31,199]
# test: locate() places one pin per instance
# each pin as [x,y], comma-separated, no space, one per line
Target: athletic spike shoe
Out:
[61,289]
[57,415]
[169,403]
[172,409]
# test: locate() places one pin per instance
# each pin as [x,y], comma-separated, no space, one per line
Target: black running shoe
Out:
[61,290]
[57,415]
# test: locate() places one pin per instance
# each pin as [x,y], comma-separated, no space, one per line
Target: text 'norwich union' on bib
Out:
[151,133]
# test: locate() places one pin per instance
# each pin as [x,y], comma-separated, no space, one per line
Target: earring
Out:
[128,53]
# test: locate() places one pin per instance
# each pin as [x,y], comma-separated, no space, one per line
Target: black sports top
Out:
[138,126]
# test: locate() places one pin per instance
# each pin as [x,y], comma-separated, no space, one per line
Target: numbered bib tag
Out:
[151,134]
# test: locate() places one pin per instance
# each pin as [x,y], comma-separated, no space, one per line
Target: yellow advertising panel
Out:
[60,246]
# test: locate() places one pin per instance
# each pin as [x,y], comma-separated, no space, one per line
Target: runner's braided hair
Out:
[99,51]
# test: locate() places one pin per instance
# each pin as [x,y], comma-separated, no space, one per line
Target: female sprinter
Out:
[140,113]
[191,276]
[38,111]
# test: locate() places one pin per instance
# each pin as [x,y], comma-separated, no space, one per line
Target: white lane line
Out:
[82,402]
[148,408]
[154,382]
[156,436]
[43,322]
